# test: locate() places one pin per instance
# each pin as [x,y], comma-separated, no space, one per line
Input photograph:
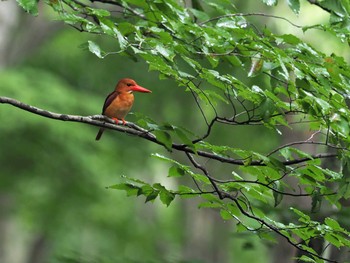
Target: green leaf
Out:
[123,43]
[270,2]
[290,39]
[209,205]
[212,198]
[225,214]
[166,197]
[31,6]
[126,28]
[200,15]
[129,188]
[183,167]
[256,65]
[287,153]
[107,26]
[141,4]
[268,108]
[333,240]
[95,49]
[165,52]
[316,201]
[278,197]
[312,174]
[305,258]
[247,161]
[201,178]
[98,12]
[268,236]
[163,158]
[336,7]
[227,23]
[146,190]
[332,174]
[151,196]
[240,227]
[182,134]
[176,171]
[303,217]
[159,64]
[294,5]
[343,237]
[159,187]
[164,138]
[333,224]
[234,210]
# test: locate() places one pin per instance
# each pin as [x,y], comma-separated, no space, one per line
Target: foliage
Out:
[288,85]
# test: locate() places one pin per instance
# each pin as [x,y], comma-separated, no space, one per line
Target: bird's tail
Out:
[99,134]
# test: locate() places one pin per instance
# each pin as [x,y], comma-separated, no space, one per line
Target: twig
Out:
[306,142]
[206,173]
[250,14]
[131,10]
[210,125]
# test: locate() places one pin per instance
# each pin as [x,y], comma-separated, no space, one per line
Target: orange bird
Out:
[119,102]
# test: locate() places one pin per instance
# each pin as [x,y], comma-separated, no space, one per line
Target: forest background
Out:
[56,199]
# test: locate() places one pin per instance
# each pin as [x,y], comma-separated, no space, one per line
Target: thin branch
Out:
[195,193]
[267,186]
[111,2]
[210,125]
[306,142]
[277,231]
[206,173]
[194,94]
[250,14]
[133,129]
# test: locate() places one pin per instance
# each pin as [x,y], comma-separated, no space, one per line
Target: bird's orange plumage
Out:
[119,102]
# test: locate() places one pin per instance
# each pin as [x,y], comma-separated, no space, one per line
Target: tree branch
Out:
[277,231]
[251,14]
[206,173]
[135,130]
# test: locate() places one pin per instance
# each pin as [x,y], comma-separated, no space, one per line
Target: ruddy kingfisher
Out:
[119,102]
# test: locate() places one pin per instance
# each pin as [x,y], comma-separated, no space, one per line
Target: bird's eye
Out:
[129,84]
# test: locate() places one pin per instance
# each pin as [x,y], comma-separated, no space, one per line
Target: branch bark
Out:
[133,129]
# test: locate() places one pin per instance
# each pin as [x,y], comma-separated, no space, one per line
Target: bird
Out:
[119,102]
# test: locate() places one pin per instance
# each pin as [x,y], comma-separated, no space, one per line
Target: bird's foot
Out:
[116,120]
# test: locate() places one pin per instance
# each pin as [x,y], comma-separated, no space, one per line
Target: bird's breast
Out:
[120,106]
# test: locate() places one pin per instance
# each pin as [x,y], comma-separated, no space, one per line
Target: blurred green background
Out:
[54,205]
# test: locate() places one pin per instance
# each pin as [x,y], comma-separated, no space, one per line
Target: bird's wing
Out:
[109,100]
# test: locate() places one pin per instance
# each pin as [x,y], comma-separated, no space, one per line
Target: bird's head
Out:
[129,85]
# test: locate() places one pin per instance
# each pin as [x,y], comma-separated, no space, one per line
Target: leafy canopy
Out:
[239,74]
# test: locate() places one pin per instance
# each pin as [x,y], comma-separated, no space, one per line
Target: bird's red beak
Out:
[140,89]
